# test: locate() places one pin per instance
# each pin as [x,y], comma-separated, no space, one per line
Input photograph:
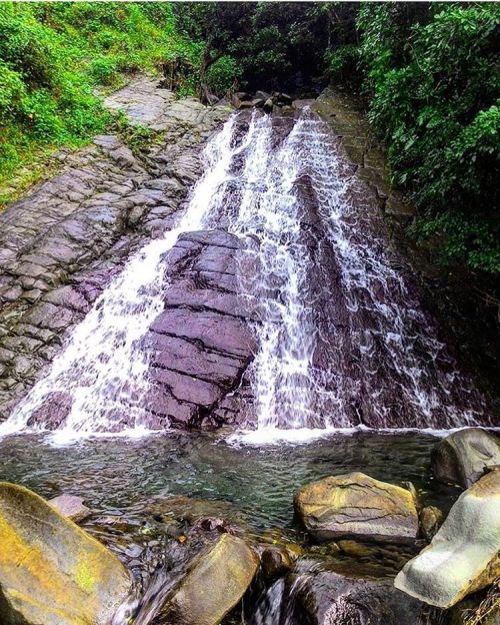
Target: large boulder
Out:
[214,586]
[462,457]
[358,506]
[51,572]
[326,594]
[464,555]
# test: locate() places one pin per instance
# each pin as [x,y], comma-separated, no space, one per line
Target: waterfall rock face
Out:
[334,334]
[52,572]
[464,554]
[462,457]
[358,506]
[214,586]
[62,244]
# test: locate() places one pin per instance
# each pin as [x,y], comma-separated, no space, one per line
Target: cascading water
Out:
[342,339]
[103,367]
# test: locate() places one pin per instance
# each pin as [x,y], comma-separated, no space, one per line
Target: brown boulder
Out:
[357,506]
[214,586]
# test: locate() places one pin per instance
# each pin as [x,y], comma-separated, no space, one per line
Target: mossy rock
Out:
[51,571]
[357,506]
[214,586]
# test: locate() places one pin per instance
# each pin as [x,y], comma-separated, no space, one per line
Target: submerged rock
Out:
[276,560]
[463,557]
[214,585]
[356,505]
[462,457]
[51,572]
[71,507]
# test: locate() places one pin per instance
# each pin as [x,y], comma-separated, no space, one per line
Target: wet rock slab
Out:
[201,344]
[342,598]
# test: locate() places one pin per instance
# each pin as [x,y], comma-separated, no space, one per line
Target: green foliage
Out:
[432,74]
[272,45]
[53,57]
[222,73]
[429,71]
[342,62]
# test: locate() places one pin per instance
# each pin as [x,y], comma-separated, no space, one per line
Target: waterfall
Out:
[342,338]
[102,367]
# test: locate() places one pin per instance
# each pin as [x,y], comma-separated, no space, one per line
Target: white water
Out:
[387,335]
[384,356]
[102,367]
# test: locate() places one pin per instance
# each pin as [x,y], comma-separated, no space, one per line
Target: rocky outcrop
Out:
[348,121]
[201,343]
[52,572]
[71,507]
[464,555]
[276,102]
[462,457]
[61,245]
[214,586]
[356,505]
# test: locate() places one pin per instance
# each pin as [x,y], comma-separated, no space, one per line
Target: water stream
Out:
[342,339]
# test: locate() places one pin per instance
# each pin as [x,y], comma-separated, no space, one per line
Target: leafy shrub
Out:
[222,73]
[432,76]
[103,69]
[12,91]
[52,55]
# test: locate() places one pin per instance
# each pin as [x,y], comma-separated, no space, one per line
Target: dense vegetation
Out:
[429,73]
[53,57]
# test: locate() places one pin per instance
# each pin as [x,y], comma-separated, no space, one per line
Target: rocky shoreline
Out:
[365,556]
